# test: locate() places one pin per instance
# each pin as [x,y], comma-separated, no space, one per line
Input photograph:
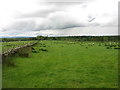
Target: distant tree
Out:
[40,37]
[54,38]
[105,38]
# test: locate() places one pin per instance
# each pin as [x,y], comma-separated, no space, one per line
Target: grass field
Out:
[64,64]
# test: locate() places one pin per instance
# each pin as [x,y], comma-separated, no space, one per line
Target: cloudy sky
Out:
[58,18]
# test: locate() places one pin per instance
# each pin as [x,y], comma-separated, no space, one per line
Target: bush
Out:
[24,52]
[35,51]
[8,61]
[43,49]
[109,47]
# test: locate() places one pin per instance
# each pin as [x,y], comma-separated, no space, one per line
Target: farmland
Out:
[64,64]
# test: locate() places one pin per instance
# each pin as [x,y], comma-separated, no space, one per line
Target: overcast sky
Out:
[57,17]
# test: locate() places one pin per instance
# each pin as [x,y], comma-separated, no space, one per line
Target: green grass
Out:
[65,65]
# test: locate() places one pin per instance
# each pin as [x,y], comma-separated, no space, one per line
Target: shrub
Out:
[24,52]
[8,61]
[35,51]
[43,49]
[109,47]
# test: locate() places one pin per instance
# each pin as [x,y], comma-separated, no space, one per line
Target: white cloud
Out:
[20,16]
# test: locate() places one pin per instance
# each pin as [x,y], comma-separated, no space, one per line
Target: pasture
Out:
[64,64]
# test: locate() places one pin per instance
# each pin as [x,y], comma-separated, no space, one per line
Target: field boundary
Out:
[13,51]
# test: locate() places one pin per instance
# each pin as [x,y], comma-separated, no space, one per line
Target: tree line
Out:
[74,38]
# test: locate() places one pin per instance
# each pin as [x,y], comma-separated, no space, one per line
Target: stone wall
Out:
[14,51]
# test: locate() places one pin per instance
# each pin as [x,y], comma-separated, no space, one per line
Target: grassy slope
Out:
[64,65]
